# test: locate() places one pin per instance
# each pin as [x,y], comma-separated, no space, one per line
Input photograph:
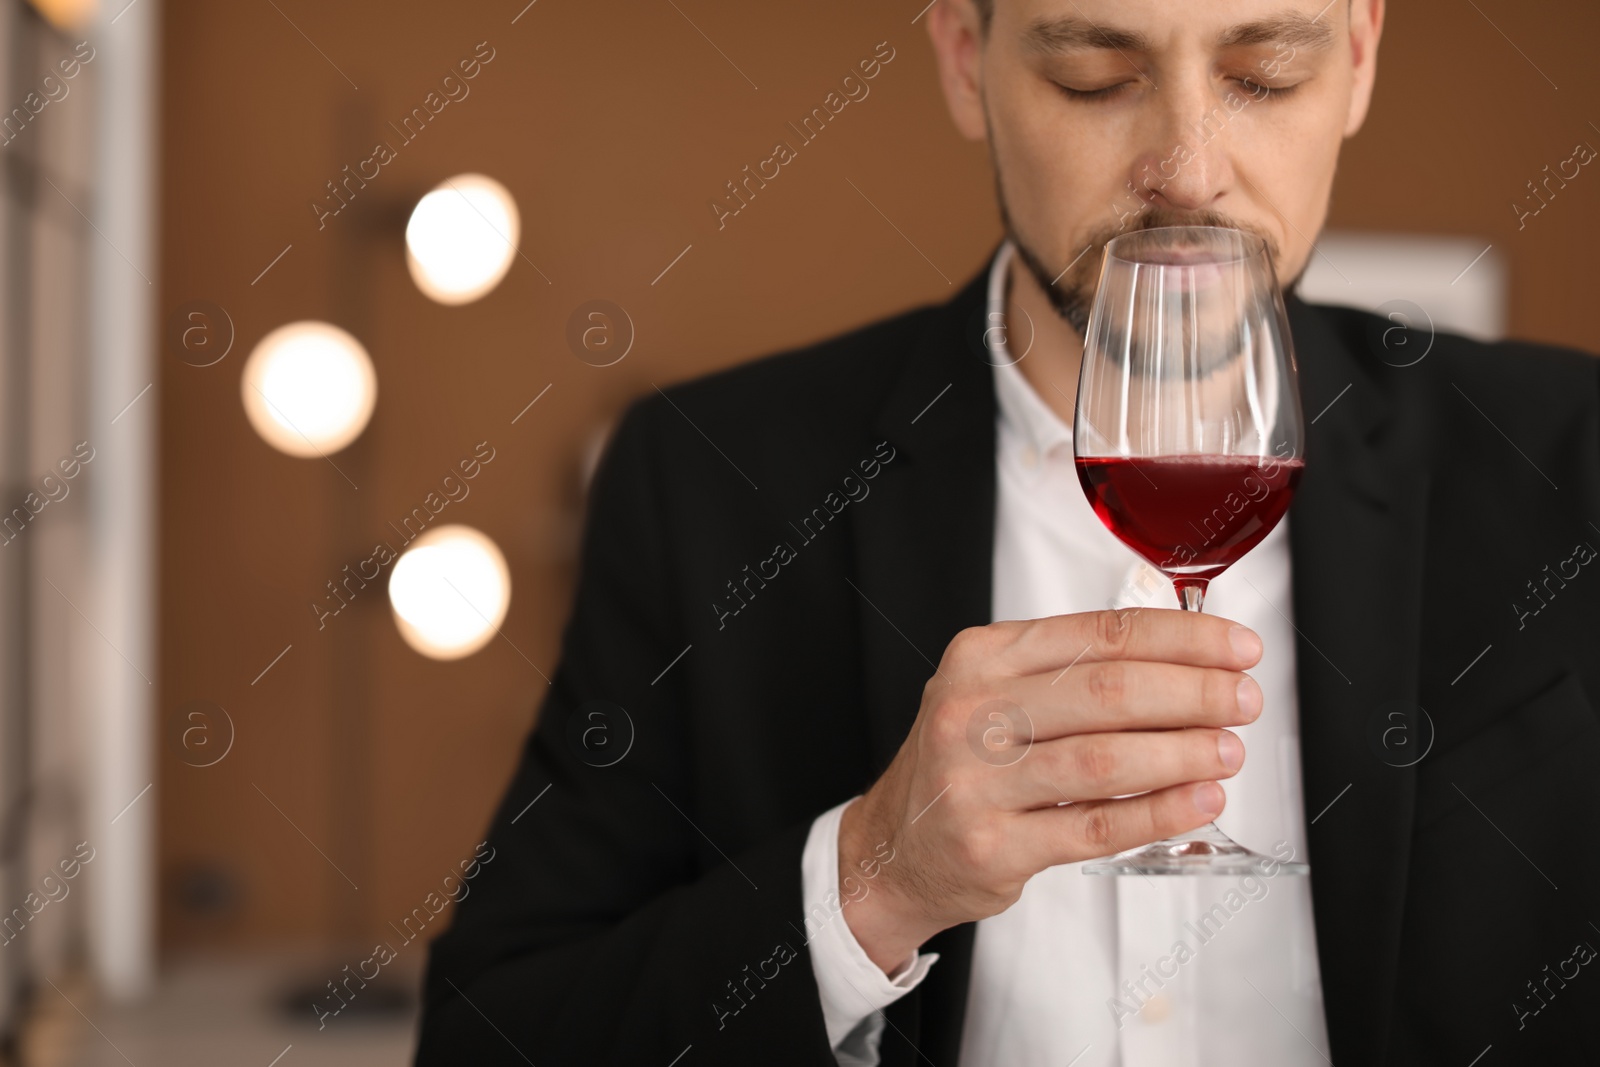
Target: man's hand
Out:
[1118,702]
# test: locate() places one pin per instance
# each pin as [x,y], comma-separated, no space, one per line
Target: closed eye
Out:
[1251,87]
[1262,91]
[1090,95]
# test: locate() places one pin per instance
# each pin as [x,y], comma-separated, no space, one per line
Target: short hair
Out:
[986,13]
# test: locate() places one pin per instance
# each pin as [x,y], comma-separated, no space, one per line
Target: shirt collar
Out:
[1020,408]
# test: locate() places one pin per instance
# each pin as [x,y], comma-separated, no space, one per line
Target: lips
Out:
[1188,276]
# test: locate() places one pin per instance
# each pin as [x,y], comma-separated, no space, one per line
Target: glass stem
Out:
[1191,594]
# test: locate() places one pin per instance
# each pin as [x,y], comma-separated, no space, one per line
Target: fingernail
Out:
[1246,645]
[1249,698]
[1208,798]
[1231,749]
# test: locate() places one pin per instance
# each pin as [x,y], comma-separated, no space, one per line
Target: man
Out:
[763,818]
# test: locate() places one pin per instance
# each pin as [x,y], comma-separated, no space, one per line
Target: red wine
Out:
[1191,516]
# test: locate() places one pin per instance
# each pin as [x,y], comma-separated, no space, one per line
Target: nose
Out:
[1185,163]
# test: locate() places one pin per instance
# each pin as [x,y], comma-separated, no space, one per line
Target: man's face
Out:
[1105,116]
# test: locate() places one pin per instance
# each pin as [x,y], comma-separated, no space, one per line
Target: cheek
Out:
[1063,175]
[1289,156]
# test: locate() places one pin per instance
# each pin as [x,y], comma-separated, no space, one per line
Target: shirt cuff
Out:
[852,987]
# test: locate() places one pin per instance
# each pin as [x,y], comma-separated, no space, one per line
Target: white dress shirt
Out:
[1113,971]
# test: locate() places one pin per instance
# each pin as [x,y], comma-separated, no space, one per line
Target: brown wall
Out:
[613,124]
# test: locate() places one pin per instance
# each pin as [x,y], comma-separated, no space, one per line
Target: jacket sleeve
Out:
[603,926]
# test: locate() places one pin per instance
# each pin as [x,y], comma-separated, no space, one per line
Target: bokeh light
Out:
[450,591]
[309,388]
[462,238]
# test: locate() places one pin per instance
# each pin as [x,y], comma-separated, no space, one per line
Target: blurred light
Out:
[67,14]
[450,591]
[461,238]
[309,388]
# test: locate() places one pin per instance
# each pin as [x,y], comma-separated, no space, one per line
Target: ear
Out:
[1366,27]
[953,27]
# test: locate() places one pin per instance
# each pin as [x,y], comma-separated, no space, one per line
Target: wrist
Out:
[885,922]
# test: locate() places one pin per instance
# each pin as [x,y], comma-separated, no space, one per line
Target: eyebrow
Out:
[1291,28]
[1048,36]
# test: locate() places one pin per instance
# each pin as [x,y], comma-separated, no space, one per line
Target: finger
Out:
[1107,765]
[1123,695]
[1158,634]
[1091,829]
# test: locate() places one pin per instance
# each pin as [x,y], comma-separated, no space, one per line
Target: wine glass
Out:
[1188,436]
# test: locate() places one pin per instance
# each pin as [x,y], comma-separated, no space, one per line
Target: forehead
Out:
[1049,27]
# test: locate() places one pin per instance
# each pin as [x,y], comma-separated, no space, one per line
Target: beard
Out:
[1071,292]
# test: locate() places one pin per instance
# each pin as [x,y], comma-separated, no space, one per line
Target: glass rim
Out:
[1254,245]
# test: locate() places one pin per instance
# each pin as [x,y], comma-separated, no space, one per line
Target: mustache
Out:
[1071,291]
[1158,217]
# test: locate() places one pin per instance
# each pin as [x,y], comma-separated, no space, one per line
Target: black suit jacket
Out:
[756,617]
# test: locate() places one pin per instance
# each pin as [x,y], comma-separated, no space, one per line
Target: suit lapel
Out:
[1356,542]
[924,549]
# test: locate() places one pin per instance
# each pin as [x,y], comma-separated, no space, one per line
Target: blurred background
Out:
[305,307]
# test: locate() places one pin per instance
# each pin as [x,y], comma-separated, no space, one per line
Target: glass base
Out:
[1204,851]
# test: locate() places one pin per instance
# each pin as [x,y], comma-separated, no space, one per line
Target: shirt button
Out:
[1030,457]
[1156,1009]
